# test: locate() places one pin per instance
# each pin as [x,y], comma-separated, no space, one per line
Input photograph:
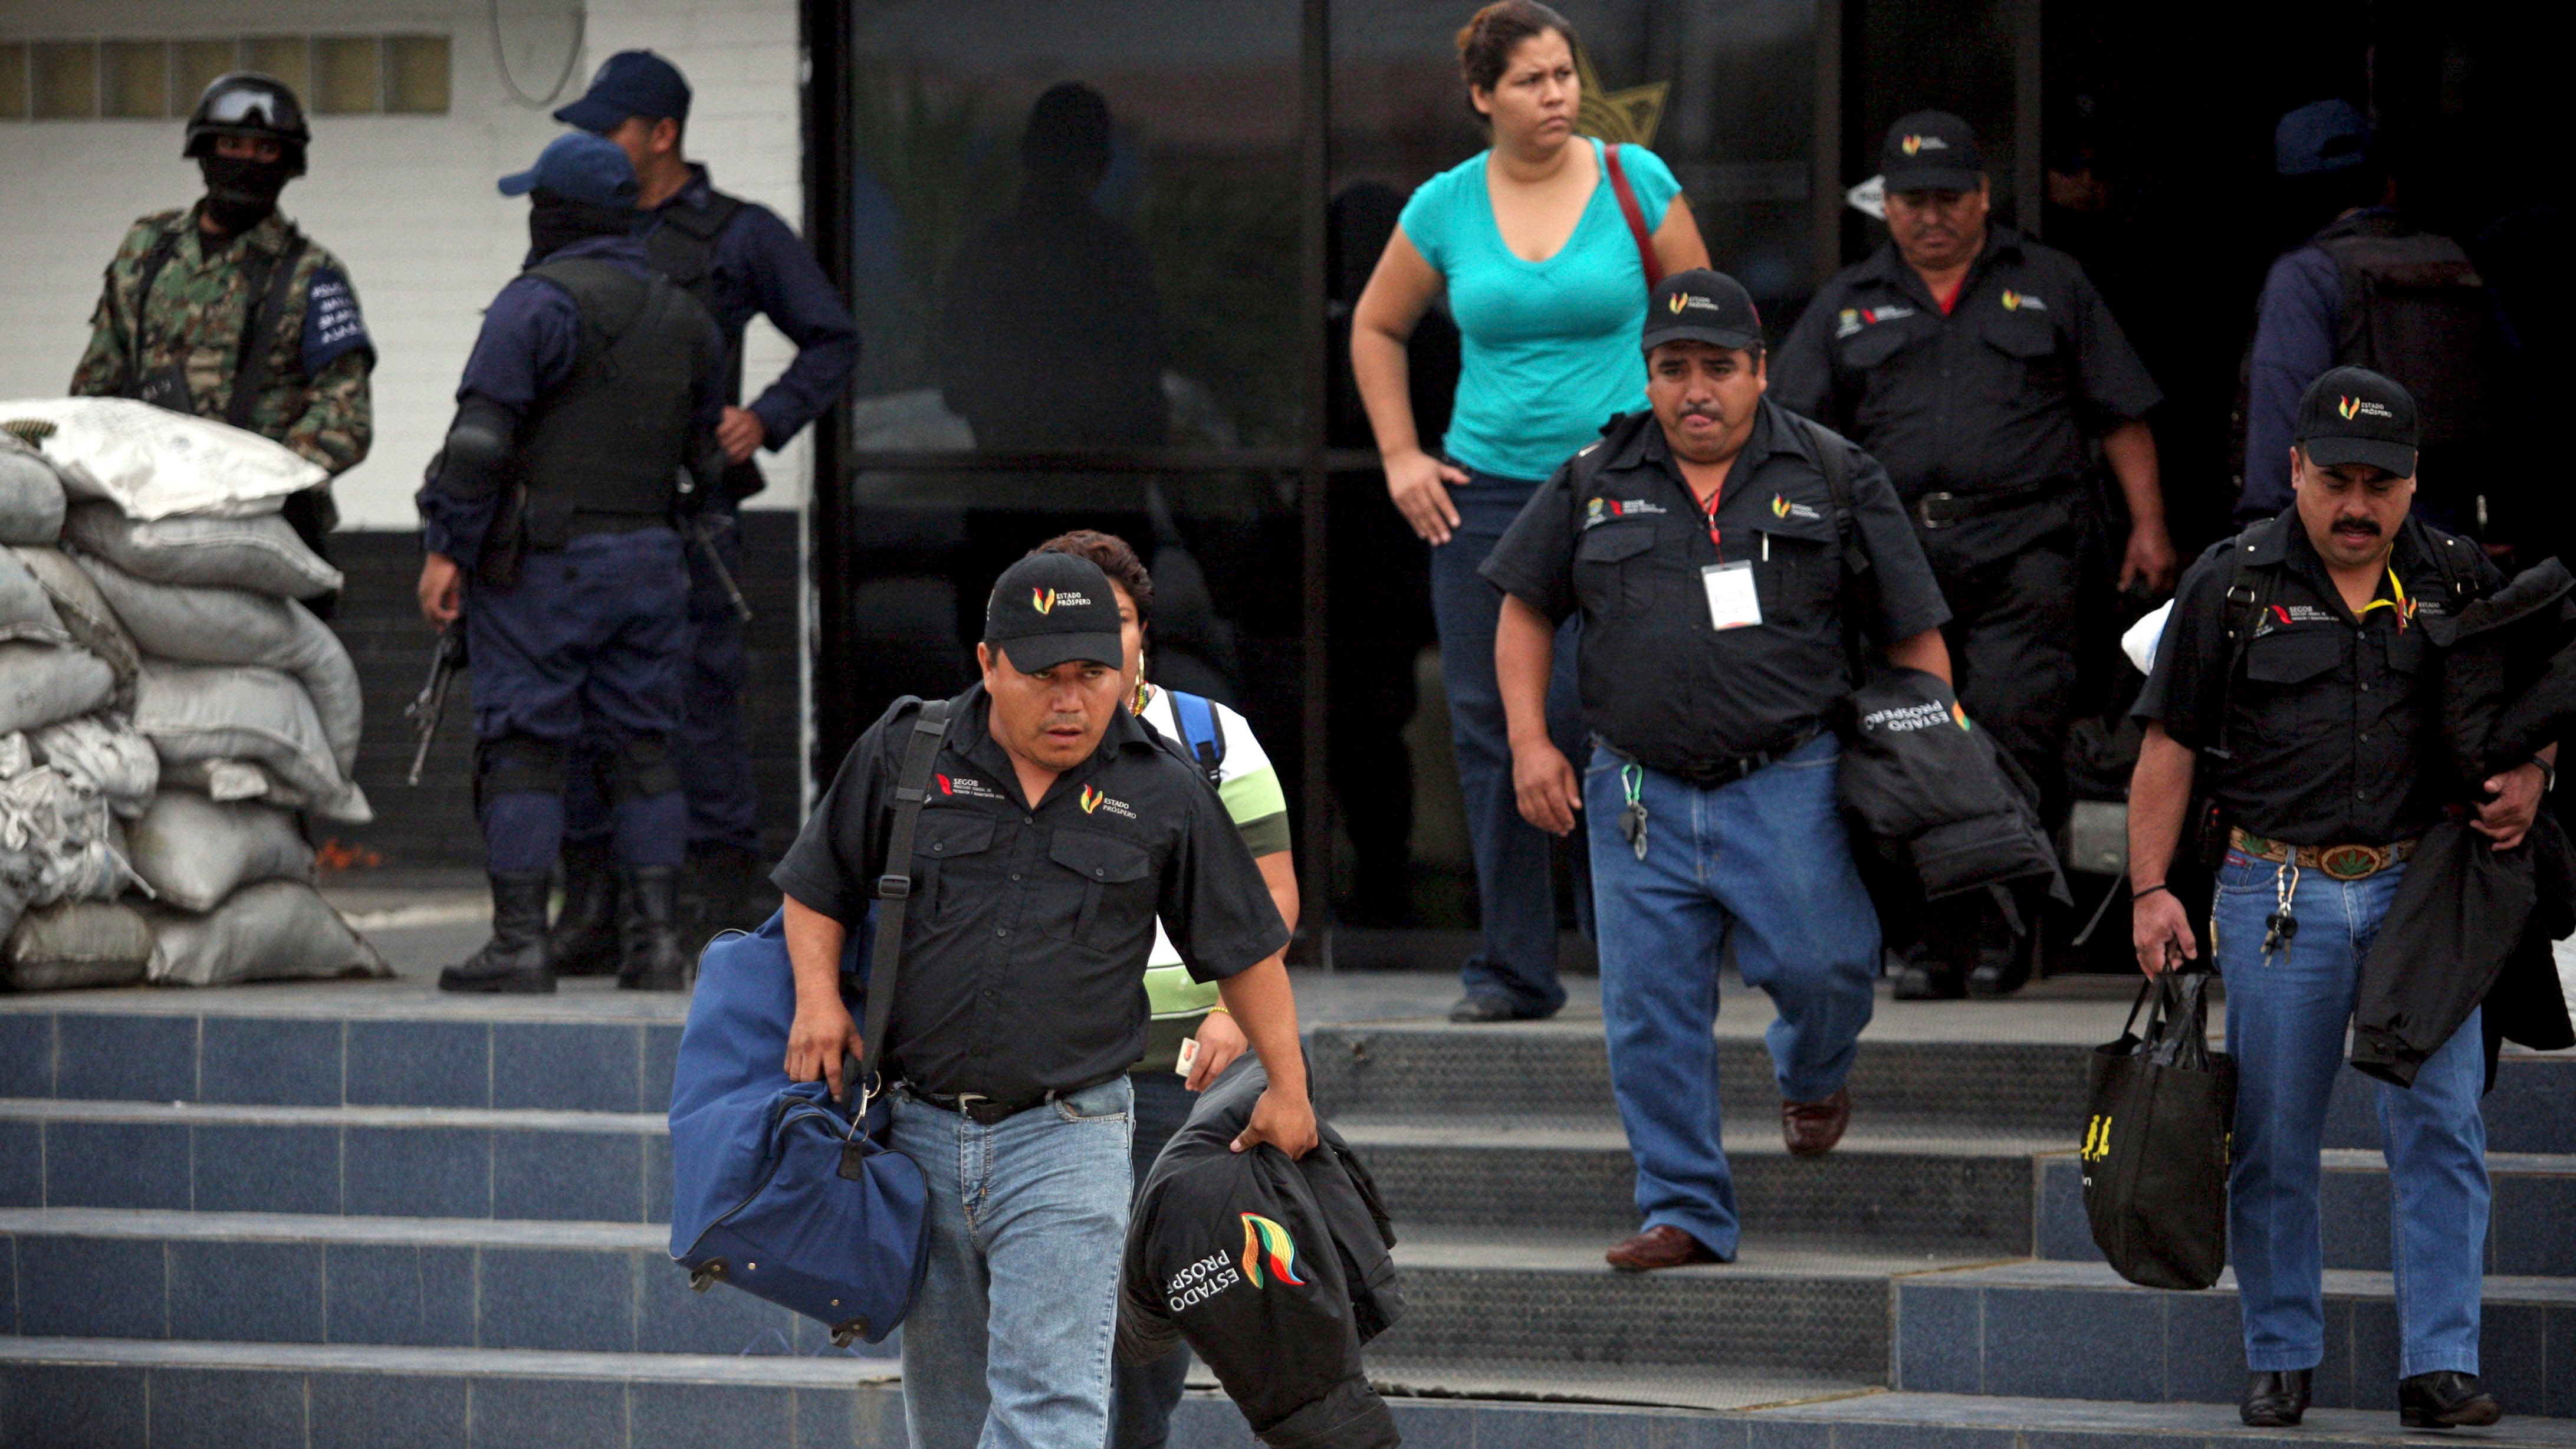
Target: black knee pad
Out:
[516,763]
[641,769]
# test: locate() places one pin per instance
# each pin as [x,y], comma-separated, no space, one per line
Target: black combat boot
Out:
[514,960]
[584,939]
[648,935]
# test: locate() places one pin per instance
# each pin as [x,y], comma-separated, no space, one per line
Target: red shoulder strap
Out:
[1636,215]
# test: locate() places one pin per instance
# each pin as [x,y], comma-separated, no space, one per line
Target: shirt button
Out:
[1028,820]
[937,846]
[1015,875]
[1001,930]
[1100,870]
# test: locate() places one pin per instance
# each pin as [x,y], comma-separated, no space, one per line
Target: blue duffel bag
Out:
[775,1188]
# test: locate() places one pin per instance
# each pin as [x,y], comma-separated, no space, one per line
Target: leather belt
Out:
[1941,510]
[1727,772]
[986,1111]
[2339,862]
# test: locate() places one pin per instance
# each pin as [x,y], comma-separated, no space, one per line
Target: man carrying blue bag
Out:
[1054,831]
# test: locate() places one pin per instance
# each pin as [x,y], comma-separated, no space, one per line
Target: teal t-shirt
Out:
[1549,348]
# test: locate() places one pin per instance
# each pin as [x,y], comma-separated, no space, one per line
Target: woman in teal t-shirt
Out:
[1549,293]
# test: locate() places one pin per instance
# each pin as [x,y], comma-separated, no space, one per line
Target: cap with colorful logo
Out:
[578,166]
[629,83]
[1052,607]
[1931,151]
[1702,306]
[2355,415]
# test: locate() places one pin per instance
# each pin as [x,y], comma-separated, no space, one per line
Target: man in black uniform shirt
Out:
[1975,363]
[1056,831]
[2296,665]
[1707,551]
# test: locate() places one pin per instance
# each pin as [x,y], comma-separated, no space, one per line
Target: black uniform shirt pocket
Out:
[944,836]
[1871,345]
[1795,566]
[1099,891]
[2032,343]
[2292,689]
[1614,570]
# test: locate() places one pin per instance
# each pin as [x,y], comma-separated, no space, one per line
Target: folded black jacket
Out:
[2472,925]
[1928,785]
[1275,1271]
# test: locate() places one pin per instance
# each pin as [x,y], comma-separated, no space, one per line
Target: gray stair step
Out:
[418,1282]
[1967,1421]
[2531,1230]
[1556,1381]
[1811,1308]
[404,1161]
[1967,1194]
[2075,1330]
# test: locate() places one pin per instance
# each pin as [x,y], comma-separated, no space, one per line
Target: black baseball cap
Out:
[1702,306]
[1931,151]
[629,83]
[1051,607]
[2354,415]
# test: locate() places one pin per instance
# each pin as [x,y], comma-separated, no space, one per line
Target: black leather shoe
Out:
[2000,971]
[1928,983]
[584,939]
[514,960]
[2446,1400]
[2275,1400]
[1475,1007]
[649,957]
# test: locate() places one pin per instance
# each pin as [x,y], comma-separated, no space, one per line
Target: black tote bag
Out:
[2156,1139]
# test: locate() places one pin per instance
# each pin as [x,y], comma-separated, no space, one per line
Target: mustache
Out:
[2364,525]
[1704,410]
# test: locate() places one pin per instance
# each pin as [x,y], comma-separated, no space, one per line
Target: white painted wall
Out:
[406,201]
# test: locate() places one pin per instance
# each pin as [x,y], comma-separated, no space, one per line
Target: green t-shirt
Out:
[1248,784]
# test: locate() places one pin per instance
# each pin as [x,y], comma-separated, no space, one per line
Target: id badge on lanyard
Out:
[1733,602]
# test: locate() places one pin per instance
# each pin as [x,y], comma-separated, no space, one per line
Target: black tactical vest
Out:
[613,439]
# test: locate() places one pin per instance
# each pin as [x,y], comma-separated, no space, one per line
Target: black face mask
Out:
[240,193]
[555,222]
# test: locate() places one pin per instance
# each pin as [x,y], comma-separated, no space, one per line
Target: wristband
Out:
[2548,774]
[2140,893]
[1219,1011]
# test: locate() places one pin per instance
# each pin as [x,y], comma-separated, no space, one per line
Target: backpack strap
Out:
[268,290]
[1202,732]
[1833,459]
[1636,215]
[894,888]
[153,261]
[2249,593]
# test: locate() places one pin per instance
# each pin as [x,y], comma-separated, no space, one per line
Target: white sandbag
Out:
[153,463]
[102,753]
[84,613]
[228,780]
[194,852]
[57,843]
[31,497]
[194,712]
[260,554]
[235,626]
[74,944]
[42,683]
[26,610]
[273,931]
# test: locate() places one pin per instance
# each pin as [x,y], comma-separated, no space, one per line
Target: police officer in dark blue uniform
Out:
[584,438]
[737,258]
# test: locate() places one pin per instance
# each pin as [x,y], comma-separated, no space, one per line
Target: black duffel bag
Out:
[2162,1117]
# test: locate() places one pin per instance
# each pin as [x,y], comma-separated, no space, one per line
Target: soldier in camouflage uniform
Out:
[214,267]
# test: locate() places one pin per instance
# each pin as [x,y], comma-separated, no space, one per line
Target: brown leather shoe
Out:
[1814,1127]
[1664,1247]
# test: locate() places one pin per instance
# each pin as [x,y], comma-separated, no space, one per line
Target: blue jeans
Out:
[1762,862]
[2286,1014]
[1008,1346]
[1146,1394]
[1514,890]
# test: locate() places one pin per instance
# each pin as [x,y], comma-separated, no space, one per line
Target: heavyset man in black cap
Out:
[1714,564]
[2294,671]
[1059,828]
[1976,364]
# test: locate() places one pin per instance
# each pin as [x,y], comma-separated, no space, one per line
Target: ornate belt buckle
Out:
[2352,862]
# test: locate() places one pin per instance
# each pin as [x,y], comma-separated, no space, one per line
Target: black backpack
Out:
[2415,309]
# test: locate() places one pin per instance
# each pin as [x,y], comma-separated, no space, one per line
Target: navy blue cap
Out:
[578,166]
[629,83]
[2319,137]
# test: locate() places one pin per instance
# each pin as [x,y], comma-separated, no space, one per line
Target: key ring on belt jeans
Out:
[1632,778]
[2285,888]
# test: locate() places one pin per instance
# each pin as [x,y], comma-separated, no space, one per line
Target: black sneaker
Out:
[1478,1007]
[1929,983]
[2446,1400]
[2275,1400]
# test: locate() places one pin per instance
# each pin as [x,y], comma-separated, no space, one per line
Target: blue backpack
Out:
[1202,732]
[775,1188]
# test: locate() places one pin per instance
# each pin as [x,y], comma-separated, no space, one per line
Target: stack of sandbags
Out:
[173,582]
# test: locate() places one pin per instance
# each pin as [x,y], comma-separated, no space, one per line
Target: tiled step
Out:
[2055,1330]
[1962,1421]
[1808,1307]
[418,1282]
[415,1162]
[359,1044]
[1965,1195]
[2530,1232]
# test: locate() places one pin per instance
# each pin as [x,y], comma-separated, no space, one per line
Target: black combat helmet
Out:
[246,103]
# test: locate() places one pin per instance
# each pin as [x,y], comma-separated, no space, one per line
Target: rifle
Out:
[694,528]
[426,709]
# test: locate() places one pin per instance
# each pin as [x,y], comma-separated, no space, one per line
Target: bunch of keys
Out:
[1632,820]
[2280,927]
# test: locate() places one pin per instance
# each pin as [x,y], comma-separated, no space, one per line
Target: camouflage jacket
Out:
[315,401]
